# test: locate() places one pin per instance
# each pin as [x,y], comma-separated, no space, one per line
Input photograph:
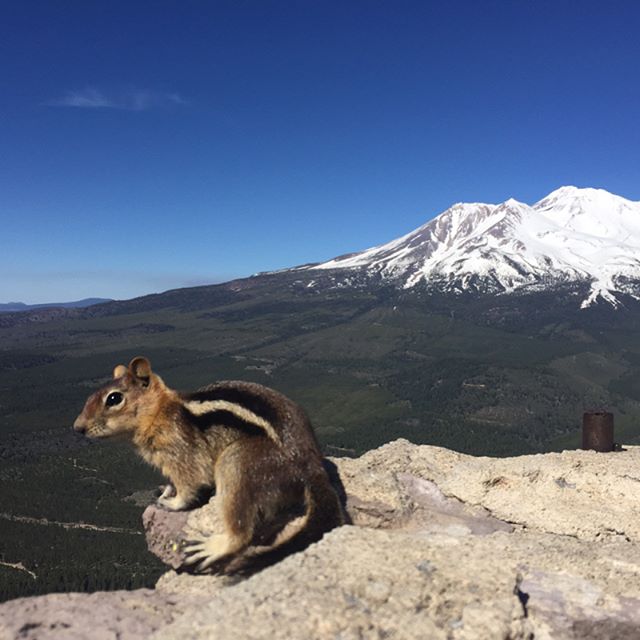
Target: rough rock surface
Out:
[442,545]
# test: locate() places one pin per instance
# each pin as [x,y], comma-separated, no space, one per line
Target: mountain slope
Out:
[491,375]
[572,235]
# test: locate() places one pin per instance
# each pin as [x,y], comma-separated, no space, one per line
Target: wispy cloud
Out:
[129,100]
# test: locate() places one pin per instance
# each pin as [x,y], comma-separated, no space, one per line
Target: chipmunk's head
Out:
[122,405]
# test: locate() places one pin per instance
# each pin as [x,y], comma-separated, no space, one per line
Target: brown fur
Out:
[251,444]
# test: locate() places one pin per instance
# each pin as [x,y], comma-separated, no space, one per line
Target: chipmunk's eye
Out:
[113,399]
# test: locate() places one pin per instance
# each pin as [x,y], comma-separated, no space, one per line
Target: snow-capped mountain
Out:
[571,235]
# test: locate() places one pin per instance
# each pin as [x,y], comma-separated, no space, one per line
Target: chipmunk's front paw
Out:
[173,502]
[168,491]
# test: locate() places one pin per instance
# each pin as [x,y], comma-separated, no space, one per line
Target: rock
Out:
[100,616]
[168,533]
[442,545]
[553,492]
[564,605]
[363,583]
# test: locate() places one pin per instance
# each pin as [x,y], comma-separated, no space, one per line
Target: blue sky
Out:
[152,145]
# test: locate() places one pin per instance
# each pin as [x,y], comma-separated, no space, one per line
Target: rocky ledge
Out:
[441,545]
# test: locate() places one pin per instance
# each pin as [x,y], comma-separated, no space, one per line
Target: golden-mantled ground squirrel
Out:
[252,444]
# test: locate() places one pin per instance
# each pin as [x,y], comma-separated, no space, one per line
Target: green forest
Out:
[491,375]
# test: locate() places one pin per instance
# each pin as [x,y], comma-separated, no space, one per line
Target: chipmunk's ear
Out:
[119,371]
[140,369]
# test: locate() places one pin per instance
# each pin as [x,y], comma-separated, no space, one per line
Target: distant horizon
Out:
[231,278]
[19,303]
[153,148]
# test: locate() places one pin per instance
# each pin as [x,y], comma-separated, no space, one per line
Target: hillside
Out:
[407,355]
[368,363]
[482,374]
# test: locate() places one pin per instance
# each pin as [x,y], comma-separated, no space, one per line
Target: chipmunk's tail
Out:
[323,512]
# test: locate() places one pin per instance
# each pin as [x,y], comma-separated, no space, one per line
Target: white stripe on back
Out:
[209,406]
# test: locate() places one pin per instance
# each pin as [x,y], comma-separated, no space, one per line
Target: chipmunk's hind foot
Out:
[211,555]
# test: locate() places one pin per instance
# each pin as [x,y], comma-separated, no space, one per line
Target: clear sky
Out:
[151,145]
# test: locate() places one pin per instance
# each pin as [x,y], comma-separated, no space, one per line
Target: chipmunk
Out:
[251,444]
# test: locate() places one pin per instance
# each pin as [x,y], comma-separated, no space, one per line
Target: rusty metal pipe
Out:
[597,431]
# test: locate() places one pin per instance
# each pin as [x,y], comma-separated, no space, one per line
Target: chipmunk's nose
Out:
[79,425]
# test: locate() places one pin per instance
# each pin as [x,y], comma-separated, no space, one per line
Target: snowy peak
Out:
[594,212]
[570,235]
